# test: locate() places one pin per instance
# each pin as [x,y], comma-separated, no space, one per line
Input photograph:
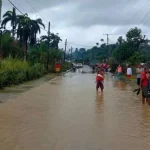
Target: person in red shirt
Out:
[99,80]
[119,72]
[144,86]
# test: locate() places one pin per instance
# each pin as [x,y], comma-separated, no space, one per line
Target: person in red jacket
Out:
[144,86]
[99,80]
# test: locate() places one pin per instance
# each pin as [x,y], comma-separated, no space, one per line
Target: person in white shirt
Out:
[129,72]
[139,70]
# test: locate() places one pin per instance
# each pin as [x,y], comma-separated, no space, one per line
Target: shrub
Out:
[65,67]
[15,71]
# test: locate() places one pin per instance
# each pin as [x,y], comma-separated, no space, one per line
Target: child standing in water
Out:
[129,73]
[99,80]
[119,72]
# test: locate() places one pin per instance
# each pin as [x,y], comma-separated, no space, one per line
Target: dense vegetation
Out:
[131,50]
[23,56]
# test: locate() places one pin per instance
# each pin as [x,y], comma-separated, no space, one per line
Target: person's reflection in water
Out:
[99,109]
[99,102]
[145,122]
[120,85]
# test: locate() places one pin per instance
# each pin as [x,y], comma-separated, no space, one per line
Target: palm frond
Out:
[5,21]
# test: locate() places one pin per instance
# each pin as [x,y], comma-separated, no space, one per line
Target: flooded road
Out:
[66,113]
[13,91]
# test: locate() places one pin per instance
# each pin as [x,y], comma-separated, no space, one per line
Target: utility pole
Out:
[107,37]
[65,50]
[107,41]
[48,33]
[49,26]
[0,10]
[71,53]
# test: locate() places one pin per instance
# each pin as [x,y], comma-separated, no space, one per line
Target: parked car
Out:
[79,65]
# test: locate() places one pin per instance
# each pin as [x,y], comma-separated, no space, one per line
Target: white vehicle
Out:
[79,65]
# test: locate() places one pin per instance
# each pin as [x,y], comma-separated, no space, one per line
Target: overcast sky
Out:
[84,22]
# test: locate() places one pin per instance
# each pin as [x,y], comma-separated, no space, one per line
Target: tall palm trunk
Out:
[0,9]
[1,48]
[13,32]
[25,52]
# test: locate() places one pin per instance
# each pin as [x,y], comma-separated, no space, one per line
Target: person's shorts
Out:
[138,81]
[129,76]
[145,92]
[100,85]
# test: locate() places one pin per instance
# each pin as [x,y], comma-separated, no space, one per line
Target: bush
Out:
[15,71]
[35,71]
[65,67]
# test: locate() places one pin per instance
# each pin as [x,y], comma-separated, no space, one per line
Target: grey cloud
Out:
[66,15]
[86,13]
[36,4]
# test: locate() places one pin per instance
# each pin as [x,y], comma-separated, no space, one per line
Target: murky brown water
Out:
[67,114]
[13,91]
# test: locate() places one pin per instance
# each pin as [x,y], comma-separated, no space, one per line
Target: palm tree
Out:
[24,31]
[55,39]
[10,16]
[3,30]
[52,41]
[97,44]
[0,9]
[35,28]
[120,40]
[45,39]
[27,30]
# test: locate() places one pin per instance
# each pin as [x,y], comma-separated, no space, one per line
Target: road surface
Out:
[66,113]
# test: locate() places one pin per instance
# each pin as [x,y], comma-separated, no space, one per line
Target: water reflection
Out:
[120,85]
[145,122]
[99,102]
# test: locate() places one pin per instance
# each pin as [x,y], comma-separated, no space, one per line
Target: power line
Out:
[19,6]
[46,21]
[35,10]
[23,13]
[38,13]
[142,8]
[144,17]
[126,2]
[79,44]
[16,7]
[130,11]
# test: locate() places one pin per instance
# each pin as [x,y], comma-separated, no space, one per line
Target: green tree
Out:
[120,40]
[39,54]
[52,40]
[35,28]
[97,44]
[123,52]
[55,39]
[135,38]
[45,39]
[27,30]
[10,16]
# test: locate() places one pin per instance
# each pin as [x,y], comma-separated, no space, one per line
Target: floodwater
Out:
[66,113]
[13,91]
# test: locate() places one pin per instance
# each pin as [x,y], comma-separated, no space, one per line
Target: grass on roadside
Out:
[15,71]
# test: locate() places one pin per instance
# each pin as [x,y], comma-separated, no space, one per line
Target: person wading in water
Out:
[119,72]
[99,80]
[129,72]
[139,70]
[144,87]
